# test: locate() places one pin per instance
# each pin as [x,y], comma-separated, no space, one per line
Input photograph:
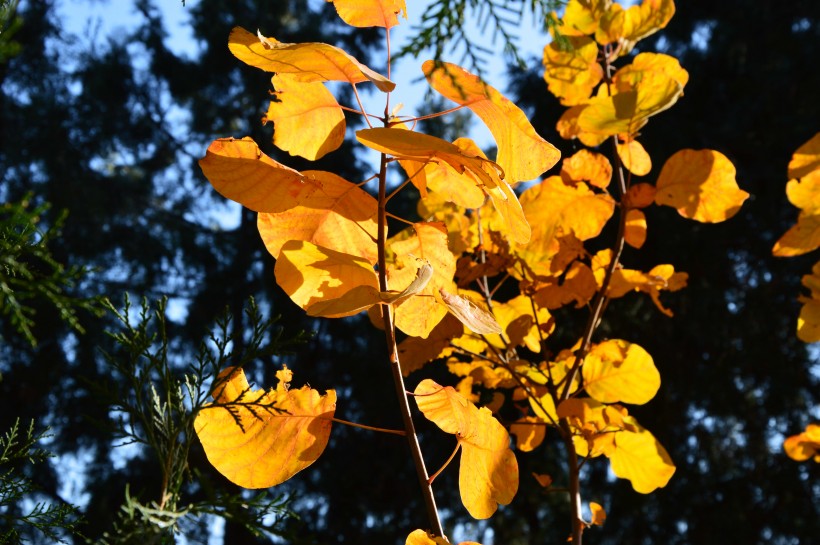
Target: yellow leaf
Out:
[420,537]
[305,62]
[308,121]
[806,159]
[617,370]
[240,171]
[280,432]
[578,286]
[634,157]
[808,322]
[504,200]
[587,166]
[805,445]
[568,128]
[338,215]
[701,185]
[645,19]
[522,153]
[598,514]
[325,282]
[635,234]
[804,236]
[446,182]
[529,432]
[418,315]
[415,352]
[488,473]
[632,75]
[571,69]
[659,278]
[582,16]
[471,315]
[626,111]
[368,13]
[553,208]
[641,459]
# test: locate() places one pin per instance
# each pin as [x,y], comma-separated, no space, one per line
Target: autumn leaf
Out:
[700,185]
[529,433]
[339,216]
[806,159]
[488,473]
[808,322]
[522,153]
[420,537]
[640,195]
[598,514]
[804,193]
[418,315]
[571,69]
[587,166]
[635,232]
[369,13]
[659,278]
[639,457]
[470,314]
[805,445]
[239,170]
[326,282]
[582,16]
[308,121]
[645,19]
[415,352]
[634,157]
[306,62]
[619,371]
[259,439]
[567,126]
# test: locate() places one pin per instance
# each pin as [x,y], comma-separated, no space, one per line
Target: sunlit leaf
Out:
[567,127]
[418,315]
[529,433]
[368,13]
[338,215]
[640,195]
[645,19]
[659,278]
[415,352]
[581,17]
[804,193]
[641,459]
[305,62]
[545,481]
[634,157]
[308,121]
[587,166]
[619,371]
[446,182]
[475,318]
[806,159]
[259,439]
[805,445]
[571,69]
[488,473]
[700,185]
[322,281]
[578,285]
[598,514]
[240,171]
[635,232]
[808,322]
[522,153]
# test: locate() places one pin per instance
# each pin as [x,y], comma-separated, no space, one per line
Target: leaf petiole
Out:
[450,459]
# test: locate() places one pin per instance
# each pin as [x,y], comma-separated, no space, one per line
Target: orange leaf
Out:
[587,166]
[367,13]
[640,195]
[282,431]
[701,185]
[598,514]
[545,481]
[488,473]
[339,216]
[240,171]
[567,127]
[617,370]
[529,432]
[804,193]
[305,62]
[415,352]
[522,153]
[582,16]
[645,19]
[417,316]
[635,234]
[808,323]
[420,537]
[805,445]
[634,158]
[308,121]
[571,69]
[325,282]
[806,159]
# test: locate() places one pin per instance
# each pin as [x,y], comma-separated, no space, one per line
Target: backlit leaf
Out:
[308,121]
[567,127]
[598,514]
[641,459]
[529,433]
[470,314]
[322,281]
[587,166]
[415,352]
[571,69]
[700,185]
[619,371]
[805,445]
[240,171]
[282,431]
[305,62]
[808,322]
[806,159]
[338,215]
[488,473]
[581,17]
[522,153]
[645,19]
[634,157]
[635,233]
[368,13]
[447,182]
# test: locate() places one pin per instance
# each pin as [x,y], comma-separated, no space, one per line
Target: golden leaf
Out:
[471,315]
[640,458]
[522,153]
[369,13]
[634,157]
[700,185]
[635,233]
[805,445]
[305,62]
[488,473]
[598,514]
[571,69]
[282,431]
[308,121]
[617,370]
[338,215]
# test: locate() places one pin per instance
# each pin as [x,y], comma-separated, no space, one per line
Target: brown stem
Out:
[395,366]
[578,525]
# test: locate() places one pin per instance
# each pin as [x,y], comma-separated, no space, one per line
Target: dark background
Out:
[88,126]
